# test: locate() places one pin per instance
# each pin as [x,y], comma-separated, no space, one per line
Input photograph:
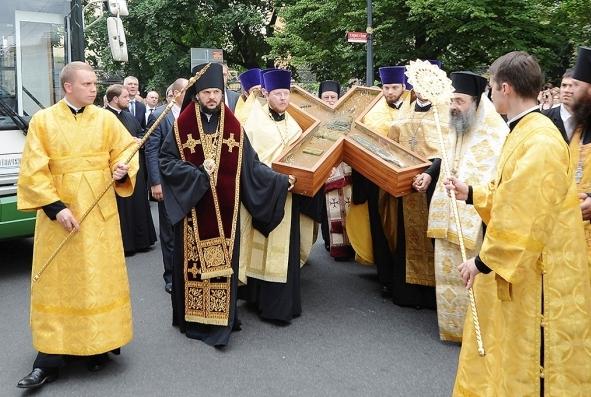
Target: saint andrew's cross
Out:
[336,133]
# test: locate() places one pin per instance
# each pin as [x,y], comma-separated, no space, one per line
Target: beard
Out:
[462,122]
[392,102]
[206,110]
[582,111]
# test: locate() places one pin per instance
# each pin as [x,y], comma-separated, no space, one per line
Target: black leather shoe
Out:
[37,378]
[97,362]
[168,287]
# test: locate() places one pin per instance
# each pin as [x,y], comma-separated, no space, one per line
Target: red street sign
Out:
[357,37]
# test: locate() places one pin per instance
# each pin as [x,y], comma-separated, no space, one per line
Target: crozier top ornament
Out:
[429,81]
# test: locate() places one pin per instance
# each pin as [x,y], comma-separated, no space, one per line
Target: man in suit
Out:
[153,146]
[136,107]
[562,116]
[231,97]
[135,217]
[151,103]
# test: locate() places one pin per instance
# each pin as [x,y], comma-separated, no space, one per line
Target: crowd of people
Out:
[230,227]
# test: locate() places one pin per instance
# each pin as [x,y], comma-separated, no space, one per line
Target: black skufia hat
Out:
[329,85]
[583,67]
[468,83]
[212,78]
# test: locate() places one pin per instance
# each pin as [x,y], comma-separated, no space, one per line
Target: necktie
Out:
[133,107]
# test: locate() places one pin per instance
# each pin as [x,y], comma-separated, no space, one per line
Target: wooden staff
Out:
[192,81]
[454,206]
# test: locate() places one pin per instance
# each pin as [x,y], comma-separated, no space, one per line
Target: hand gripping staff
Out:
[192,81]
[432,83]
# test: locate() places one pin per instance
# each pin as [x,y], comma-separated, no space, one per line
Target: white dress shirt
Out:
[568,120]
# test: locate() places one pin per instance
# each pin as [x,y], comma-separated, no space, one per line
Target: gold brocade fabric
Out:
[581,157]
[239,108]
[452,297]
[419,248]
[535,246]
[81,304]
[380,117]
[417,132]
[379,120]
[266,258]
[473,156]
[207,301]
[244,107]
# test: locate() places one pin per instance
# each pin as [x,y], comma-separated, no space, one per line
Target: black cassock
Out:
[137,226]
[281,302]
[391,266]
[262,191]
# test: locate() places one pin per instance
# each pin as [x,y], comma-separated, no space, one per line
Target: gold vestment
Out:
[472,158]
[81,304]
[535,305]
[266,258]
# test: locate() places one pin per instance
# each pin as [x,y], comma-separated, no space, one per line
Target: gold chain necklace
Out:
[413,141]
[210,143]
[282,135]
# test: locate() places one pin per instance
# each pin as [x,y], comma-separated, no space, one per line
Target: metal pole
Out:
[369,30]
[77,31]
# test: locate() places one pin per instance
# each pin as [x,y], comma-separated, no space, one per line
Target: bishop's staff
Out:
[432,83]
[141,143]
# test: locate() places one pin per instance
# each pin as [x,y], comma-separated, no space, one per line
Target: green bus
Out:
[35,43]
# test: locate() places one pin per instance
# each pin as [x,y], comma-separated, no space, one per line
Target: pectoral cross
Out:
[337,133]
[579,172]
[191,143]
[413,143]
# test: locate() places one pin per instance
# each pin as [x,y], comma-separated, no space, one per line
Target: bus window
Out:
[33,50]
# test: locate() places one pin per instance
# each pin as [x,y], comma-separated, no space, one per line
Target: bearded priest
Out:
[209,167]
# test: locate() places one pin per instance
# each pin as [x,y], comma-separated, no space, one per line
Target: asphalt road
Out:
[349,341]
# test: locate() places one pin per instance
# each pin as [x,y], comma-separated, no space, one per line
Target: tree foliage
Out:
[310,34]
[160,34]
[464,34]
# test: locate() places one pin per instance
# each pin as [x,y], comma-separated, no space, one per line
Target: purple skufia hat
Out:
[392,74]
[250,78]
[437,63]
[263,71]
[407,84]
[277,79]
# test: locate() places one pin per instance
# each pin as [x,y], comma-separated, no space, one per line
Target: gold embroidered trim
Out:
[208,302]
[116,304]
